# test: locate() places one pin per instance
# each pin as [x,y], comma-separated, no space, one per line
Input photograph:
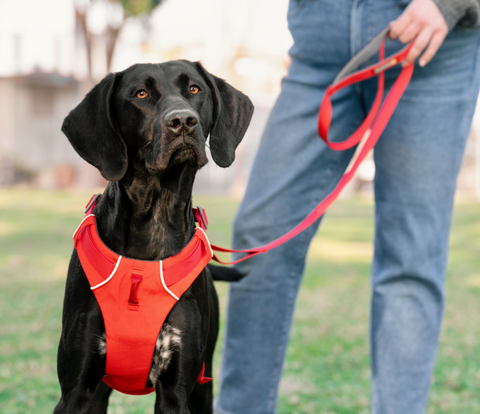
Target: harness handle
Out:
[369,131]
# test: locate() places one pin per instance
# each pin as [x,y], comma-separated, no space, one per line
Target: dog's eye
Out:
[141,94]
[194,89]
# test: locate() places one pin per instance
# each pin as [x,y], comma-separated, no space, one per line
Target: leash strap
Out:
[366,135]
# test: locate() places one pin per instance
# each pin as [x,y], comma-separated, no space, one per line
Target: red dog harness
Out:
[135,297]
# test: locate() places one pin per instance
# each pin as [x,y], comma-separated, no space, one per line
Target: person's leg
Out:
[292,173]
[417,161]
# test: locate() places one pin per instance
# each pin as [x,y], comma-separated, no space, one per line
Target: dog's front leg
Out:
[100,400]
[171,401]
[81,352]
[81,367]
[201,398]
[98,405]
[174,386]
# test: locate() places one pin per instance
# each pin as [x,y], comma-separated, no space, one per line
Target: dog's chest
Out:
[168,342]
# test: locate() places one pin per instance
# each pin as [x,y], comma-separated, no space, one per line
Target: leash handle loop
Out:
[346,78]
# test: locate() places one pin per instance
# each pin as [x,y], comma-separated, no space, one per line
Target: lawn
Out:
[327,369]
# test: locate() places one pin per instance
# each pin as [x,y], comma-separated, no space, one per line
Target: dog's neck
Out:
[146,216]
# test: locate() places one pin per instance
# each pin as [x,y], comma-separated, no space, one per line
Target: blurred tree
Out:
[111,18]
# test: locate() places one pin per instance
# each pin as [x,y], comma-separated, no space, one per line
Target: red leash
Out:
[370,130]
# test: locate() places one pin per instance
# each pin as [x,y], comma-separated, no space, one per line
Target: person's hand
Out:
[424,24]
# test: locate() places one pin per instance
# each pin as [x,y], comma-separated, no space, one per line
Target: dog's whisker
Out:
[145,146]
[140,151]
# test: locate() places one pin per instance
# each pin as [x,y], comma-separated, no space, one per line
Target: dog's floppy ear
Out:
[91,129]
[232,112]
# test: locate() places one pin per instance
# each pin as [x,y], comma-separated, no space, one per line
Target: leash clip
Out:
[203,216]
[93,200]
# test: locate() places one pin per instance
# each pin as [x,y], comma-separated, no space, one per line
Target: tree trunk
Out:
[111,38]
[87,37]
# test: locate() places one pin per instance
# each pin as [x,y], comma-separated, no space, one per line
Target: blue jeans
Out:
[417,161]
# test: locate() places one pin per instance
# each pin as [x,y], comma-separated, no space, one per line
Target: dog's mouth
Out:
[186,150]
[186,154]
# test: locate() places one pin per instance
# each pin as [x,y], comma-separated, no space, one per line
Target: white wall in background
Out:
[36,33]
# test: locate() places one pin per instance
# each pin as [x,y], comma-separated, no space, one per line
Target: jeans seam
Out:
[369,23]
[353,16]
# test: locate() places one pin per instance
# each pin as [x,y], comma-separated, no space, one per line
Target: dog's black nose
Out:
[180,122]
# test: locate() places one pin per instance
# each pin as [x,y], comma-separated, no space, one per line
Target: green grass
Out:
[327,368]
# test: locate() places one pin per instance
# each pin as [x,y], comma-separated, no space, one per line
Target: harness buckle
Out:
[93,200]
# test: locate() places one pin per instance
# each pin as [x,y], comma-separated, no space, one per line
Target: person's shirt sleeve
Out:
[464,13]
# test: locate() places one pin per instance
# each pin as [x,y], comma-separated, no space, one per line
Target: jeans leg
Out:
[293,171]
[417,162]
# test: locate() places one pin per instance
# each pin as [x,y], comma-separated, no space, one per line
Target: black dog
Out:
[145,129]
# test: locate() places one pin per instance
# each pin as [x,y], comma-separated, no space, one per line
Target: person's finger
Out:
[410,32]
[419,44]
[433,47]
[399,25]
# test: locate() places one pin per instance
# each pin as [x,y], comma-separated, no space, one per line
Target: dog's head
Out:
[159,115]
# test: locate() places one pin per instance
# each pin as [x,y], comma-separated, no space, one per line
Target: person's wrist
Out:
[452,12]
